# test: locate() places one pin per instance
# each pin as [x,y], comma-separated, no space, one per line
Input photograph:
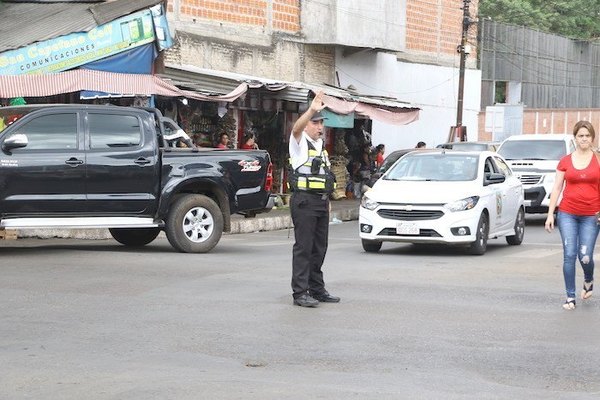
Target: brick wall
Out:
[276,15]
[549,121]
[435,26]
[253,37]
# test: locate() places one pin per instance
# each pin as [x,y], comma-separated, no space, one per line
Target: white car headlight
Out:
[462,205]
[367,203]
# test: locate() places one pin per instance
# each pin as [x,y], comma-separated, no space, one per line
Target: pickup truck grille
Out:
[530,179]
[412,215]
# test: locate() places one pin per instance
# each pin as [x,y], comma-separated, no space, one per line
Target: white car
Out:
[533,158]
[444,196]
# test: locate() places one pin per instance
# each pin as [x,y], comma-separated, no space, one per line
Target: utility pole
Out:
[459,130]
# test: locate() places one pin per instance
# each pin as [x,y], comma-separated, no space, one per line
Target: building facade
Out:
[261,38]
[423,72]
[404,50]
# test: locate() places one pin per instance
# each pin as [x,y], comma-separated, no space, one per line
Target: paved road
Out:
[93,320]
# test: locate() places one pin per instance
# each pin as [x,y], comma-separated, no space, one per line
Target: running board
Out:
[83,223]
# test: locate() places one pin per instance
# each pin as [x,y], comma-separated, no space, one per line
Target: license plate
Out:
[407,228]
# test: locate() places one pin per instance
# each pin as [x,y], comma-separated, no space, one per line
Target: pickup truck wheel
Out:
[134,237]
[194,224]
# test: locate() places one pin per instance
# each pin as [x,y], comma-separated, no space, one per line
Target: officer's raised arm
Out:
[315,106]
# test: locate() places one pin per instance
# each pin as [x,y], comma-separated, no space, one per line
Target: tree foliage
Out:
[572,18]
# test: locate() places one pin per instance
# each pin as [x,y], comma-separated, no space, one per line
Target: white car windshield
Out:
[434,167]
[533,150]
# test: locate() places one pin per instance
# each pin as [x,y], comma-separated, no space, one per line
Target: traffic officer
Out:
[311,182]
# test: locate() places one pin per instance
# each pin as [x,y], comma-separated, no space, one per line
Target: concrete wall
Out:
[260,38]
[355,23]
[432,88]
[549,120]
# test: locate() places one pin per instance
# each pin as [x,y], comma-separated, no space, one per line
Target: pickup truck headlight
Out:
[462,205]
[367,203]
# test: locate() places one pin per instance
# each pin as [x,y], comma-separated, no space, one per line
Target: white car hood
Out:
[415,192]
[519,166]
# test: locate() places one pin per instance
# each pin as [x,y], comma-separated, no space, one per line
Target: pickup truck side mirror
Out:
[492,178]
[15,142]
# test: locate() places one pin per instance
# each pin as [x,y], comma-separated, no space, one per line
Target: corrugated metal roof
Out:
[213,82]
[112,10]
[26,23]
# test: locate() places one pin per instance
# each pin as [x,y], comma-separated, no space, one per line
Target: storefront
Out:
[269,108]
[129,41]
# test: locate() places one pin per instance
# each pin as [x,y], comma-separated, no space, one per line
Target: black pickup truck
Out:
[87,166]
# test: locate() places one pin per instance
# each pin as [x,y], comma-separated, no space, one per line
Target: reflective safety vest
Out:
[314,175]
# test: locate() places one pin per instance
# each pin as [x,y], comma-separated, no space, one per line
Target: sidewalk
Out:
[278,218]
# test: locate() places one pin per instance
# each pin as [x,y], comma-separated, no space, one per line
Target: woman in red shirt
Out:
[380,150]
[578,178]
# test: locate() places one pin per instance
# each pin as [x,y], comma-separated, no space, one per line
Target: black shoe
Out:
[325,297]
[306,301]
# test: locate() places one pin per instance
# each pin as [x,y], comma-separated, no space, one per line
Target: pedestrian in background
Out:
[578,178]
[420,145]
[223,141]
[379,158]
[311,182]
[249,142]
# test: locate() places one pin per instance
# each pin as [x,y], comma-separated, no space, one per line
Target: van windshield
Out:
[533,150]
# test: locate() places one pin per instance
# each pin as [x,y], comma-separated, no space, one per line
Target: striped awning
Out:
[109,82]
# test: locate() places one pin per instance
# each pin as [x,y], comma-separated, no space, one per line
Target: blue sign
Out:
[75,49]
[334,120]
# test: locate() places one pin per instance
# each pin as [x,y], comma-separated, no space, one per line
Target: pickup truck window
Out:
[50,132]
[111,131]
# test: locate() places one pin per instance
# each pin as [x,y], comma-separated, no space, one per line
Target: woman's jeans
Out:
[578,235]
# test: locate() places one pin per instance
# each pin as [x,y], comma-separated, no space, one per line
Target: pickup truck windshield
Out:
[533,150]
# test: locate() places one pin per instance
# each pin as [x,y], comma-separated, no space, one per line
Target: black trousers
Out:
[310,215]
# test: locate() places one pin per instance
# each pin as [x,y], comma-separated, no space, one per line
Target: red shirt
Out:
[581,195]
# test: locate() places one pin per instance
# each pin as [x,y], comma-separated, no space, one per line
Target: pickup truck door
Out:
[122,163]
[48,175]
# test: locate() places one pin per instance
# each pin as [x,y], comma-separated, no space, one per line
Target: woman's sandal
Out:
[569,304]
[588,288]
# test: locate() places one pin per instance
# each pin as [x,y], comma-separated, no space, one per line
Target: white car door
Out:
[513,192]
[499,199]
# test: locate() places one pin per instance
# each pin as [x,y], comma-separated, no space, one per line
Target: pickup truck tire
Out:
[134,237]
[194,224]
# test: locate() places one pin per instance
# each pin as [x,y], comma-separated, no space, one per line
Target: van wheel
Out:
[517,238]
[134,237]
[371,246]
[479,246]
[194,224]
